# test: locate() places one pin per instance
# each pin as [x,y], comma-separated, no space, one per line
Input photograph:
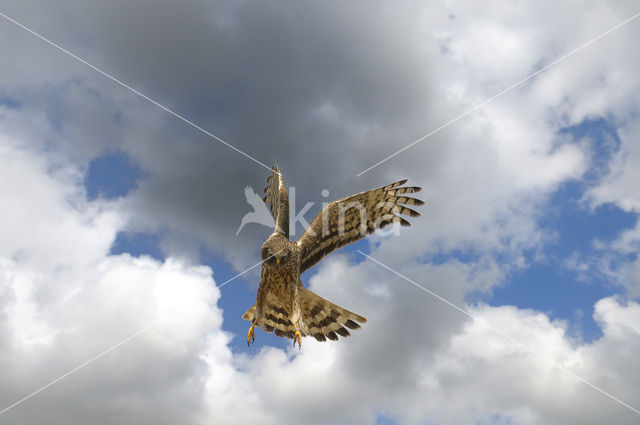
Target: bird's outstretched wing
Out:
[278,200]
[352,218]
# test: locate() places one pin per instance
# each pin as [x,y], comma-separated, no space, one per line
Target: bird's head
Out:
[278,253]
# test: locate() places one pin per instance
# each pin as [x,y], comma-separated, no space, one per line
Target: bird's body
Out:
[279,284]
[283,304]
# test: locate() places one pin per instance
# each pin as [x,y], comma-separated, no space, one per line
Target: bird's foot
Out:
[251,336]
[297,337]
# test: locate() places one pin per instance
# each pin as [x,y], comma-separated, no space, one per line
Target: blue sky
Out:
[545,284]
[119,213]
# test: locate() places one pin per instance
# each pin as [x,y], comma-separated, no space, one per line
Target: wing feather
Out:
[278,200]
[352,218]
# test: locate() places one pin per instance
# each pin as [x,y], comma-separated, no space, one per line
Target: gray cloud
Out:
[326,90]
[298,85]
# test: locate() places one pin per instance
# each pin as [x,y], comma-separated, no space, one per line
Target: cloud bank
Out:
[326,90]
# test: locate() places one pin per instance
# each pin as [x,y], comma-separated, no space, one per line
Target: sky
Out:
[513,299]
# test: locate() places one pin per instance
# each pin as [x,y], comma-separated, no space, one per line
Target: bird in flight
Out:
[283,304]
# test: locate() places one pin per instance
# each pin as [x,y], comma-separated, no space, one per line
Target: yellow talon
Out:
[251,334]
[297,337]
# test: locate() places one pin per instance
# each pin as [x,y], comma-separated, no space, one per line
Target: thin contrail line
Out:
[75,369]
[108,350]
[511,87]
[114,79]
[250,268]
[505,335]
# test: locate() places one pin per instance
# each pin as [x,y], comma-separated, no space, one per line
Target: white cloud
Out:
[64,298]
[483,373]
[469,374]
[416,359]
[619,187]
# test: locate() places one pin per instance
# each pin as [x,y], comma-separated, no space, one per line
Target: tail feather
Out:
[274,319]
[250,314]
[325,319]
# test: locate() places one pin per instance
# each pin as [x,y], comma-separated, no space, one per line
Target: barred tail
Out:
[250,314]
[274,318]
[325,319]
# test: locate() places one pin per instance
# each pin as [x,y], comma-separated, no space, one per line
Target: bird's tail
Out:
[325,319]
[274,319]
[250,314]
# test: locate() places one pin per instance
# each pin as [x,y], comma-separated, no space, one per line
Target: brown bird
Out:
[283,304]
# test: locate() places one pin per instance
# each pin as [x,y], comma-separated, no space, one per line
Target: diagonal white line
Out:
[75,369]
[108,350]
[505,335]
[175,114]
[250,268]
[508,89]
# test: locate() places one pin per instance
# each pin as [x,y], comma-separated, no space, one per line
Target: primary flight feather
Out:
[283,304]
